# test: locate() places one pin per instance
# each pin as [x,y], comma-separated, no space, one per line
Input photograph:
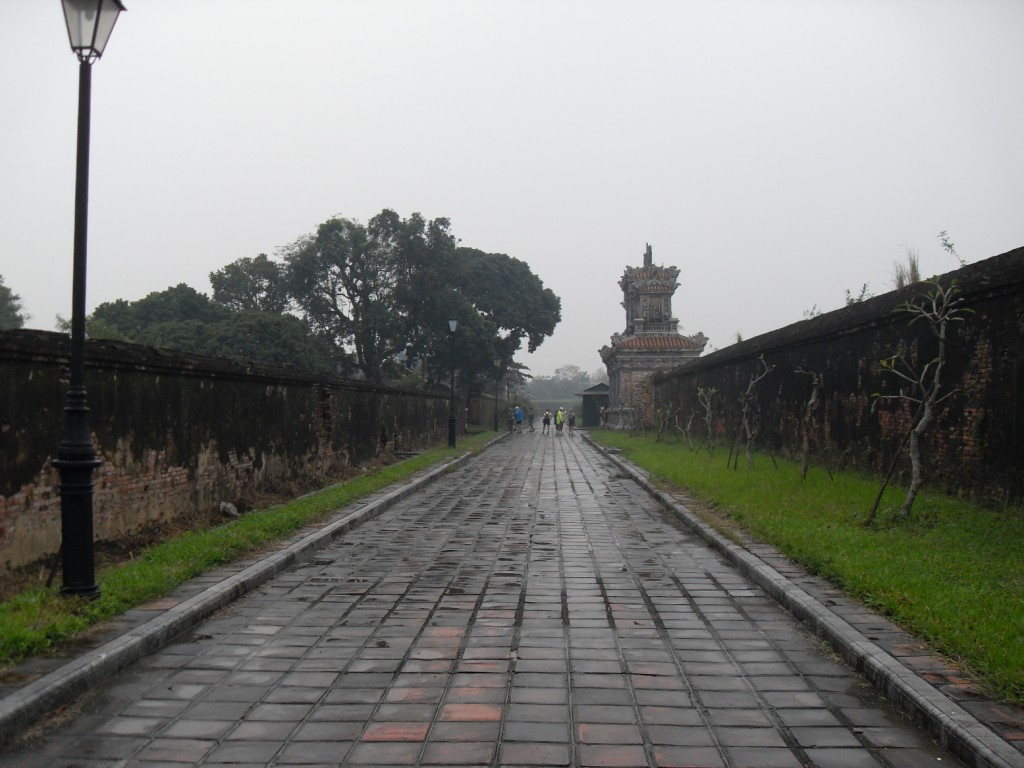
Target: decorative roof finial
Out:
[648,256]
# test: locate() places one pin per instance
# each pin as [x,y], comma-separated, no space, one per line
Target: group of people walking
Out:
[560,419]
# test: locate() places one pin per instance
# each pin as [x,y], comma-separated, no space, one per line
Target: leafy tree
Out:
[506,292]
[11,315]
[181,318]
[251,284]
[176,304]
[384,293]
[345,281]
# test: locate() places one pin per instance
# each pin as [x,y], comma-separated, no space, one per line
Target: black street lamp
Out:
[89,23]
[497,377]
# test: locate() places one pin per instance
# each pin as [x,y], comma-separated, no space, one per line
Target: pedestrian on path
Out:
[572,422]
[559,420]
[545,423]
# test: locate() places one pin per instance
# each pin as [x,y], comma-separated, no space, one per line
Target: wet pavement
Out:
[532,607]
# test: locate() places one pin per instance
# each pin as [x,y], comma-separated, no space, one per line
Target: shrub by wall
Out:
[974,446]
[177,434]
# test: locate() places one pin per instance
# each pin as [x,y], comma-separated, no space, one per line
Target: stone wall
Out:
[177,434]
[974,446]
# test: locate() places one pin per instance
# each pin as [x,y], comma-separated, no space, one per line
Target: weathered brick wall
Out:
[177,434]
[974,446]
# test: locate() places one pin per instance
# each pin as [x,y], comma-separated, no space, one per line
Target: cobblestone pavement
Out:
[531,608]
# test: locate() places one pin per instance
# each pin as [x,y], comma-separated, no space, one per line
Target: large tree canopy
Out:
[375,299]
[182,318]
[256,284]
[344,278]
[11,315]
[385,292]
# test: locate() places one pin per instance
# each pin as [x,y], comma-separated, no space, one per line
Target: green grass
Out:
[953,575]
[40,620]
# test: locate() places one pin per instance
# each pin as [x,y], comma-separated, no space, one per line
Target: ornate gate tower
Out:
[651,340]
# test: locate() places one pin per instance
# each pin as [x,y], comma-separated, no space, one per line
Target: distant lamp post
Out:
[89,23]
[497,377]
[452,326]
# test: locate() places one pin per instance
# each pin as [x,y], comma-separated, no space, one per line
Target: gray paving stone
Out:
[531,607]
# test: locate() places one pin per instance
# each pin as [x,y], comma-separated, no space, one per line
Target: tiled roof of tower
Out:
[659,343]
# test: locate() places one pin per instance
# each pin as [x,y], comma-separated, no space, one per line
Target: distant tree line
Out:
[368,300]
[566,383]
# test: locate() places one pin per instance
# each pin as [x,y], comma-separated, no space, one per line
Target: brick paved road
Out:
[529,609]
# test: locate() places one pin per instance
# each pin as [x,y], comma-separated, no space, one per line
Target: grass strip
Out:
[952,576]
[39,620]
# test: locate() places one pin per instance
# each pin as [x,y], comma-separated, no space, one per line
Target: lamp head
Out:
[453,325]
[90,23]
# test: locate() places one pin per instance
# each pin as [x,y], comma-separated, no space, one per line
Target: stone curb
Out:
[956,729]
[27,705]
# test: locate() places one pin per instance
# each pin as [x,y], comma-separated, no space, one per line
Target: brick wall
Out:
[974,446]
[177,434]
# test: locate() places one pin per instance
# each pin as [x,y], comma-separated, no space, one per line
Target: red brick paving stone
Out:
[527,755]
[458,753]
[431,694]
[468,712]
[384,753]
[393,731]
[608,756]
[608,733]
[687,757]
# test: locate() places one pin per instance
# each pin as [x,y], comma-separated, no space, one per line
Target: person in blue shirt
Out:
[519,419]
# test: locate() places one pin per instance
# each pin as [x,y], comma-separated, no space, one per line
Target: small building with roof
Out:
[595,402]
[651,340]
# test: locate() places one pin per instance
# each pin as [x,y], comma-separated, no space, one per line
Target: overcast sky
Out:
[779,152]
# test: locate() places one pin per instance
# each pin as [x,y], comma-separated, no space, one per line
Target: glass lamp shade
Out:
[453,325]
[90,23]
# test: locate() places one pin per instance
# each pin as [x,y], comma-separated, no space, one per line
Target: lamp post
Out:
[497,377]
[452,326]
[89,24]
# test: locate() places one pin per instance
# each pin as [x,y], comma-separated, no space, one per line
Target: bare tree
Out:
[706,397]
[748,406]
[939,307]
[817,380]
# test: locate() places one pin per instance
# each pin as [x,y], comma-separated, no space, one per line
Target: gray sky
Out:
[779,152]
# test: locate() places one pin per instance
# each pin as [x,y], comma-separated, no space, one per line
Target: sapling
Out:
[922,386]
